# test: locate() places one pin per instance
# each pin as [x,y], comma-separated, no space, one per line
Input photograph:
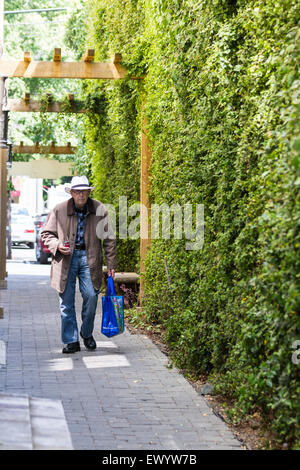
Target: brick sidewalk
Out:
[121,396]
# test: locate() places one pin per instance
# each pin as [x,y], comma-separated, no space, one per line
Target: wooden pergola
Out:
[44,149]
[27,105]
[87,68]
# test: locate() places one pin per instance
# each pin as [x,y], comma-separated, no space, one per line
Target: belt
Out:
[79,247]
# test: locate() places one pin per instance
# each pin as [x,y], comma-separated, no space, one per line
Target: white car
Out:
[22,226]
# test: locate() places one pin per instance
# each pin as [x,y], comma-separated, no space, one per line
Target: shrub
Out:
[221,97]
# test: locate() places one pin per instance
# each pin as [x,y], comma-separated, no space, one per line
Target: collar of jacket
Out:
[71,207]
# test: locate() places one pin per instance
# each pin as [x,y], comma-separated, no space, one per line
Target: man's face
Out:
[80,196]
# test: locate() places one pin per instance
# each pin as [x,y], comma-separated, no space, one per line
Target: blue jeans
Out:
[79,268]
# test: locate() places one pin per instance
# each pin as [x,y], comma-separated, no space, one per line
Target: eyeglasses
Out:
[80,191]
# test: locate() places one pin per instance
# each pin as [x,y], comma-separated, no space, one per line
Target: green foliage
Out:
[75,32]
[113,151]
[222,103]
[39,33]
[110,132]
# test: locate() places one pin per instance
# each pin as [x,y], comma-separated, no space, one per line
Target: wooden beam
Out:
[26,97]
[81,70]
[44,149]
[30,106]
[126,277]
[57,54]
[13,68]
[89,55]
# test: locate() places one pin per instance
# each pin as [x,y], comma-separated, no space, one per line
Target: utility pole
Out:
[3,162]
[1,26]
[3,183]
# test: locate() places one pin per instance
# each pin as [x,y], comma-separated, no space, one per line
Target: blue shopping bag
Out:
[112,311]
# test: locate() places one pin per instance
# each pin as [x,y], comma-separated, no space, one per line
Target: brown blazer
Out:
[62,223]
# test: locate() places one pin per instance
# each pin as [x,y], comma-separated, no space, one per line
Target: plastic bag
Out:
[112,311]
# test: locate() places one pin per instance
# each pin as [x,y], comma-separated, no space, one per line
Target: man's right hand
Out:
[63,249]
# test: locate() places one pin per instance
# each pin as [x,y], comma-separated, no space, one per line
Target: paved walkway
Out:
[121,396]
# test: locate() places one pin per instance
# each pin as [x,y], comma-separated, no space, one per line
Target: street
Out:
[23,253]
[24,262]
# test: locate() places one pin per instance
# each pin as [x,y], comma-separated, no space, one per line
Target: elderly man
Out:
[72,235]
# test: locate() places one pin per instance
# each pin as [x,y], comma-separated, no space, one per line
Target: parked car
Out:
[22,226]
[41,251]
[39,220]
[18,209]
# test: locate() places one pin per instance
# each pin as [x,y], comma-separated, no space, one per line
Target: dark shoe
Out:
[71,348]
[89,343]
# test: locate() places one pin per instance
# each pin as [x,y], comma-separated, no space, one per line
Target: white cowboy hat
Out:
[79,182]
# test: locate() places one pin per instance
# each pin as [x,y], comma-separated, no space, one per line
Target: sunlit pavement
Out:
[23,254]
[121,396]
[24,261]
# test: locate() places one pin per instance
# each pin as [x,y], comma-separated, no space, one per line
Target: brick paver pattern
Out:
[121,396]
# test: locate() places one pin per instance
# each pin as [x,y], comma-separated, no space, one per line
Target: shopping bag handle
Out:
[110,286]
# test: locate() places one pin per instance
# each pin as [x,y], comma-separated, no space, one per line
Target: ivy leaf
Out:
[296,145]
[296,162]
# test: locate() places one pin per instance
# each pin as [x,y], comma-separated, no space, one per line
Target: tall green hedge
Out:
[221,94]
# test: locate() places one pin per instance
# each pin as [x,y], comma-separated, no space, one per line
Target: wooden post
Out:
[8,225]
[3,187]
[89,55]
[3,171]
[57,54]
[27,57]
[145,239]
[3,209]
